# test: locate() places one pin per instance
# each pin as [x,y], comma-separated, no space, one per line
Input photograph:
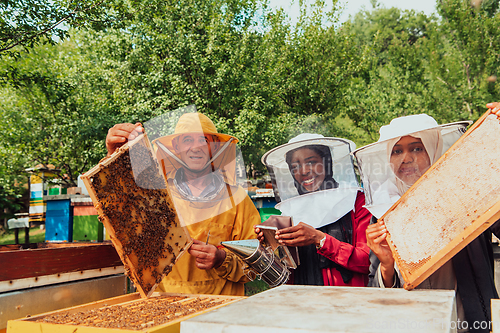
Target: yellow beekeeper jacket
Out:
[228,219]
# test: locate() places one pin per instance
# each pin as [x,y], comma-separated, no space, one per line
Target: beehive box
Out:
[86,225]
[321,309]
[141,220]
[58,220]
[49,263]
[494,324]
[456,200]
[161,312]
[50,276]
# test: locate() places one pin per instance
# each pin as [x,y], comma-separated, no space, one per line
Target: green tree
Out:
[27,23]
[417,64]
[50,114]
[255,74]
[171,54]
[13,182]
[394,80]
[464,57]
[244,66]
[303,75]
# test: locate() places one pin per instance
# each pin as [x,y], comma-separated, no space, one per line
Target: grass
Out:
[8,237]
[254,287]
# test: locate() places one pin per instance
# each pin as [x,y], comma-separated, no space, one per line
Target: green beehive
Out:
[265,213]
[86,226]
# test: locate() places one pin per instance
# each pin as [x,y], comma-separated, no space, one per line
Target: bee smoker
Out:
[262,262]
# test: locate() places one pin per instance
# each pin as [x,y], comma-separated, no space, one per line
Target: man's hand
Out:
[120,133]
[299,235]
[207,255]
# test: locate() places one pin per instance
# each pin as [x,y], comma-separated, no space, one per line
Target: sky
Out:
[354,6]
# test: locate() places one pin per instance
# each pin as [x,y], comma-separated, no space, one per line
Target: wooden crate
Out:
[456,200]
[161,312]
[141,220]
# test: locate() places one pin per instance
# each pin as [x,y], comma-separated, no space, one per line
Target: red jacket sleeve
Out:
[354,257]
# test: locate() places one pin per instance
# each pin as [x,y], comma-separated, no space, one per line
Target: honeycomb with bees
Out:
[136,209]
[161,312]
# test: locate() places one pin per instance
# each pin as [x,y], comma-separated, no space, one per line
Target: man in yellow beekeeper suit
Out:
[200,165]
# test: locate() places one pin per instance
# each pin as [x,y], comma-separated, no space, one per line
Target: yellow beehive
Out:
[135,207]
[161,312]
[456,200]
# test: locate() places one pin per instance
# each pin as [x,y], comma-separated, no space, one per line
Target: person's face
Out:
[194,150]
[308,169]
[409,159]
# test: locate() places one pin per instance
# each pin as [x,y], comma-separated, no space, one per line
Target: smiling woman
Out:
[311,168]
[409,159]
[407,147]
[405,150]
[308,169]
[315,184]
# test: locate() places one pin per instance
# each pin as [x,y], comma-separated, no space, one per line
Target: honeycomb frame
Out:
[161,312]
[142,223]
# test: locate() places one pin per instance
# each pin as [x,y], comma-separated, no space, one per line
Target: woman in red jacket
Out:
[314,182]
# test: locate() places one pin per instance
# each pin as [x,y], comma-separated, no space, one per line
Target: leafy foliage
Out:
[446,68]
[29,22]
[256,74]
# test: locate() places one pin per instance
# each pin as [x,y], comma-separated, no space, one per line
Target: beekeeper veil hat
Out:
[382,187]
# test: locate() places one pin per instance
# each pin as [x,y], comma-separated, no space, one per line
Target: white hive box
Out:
[300,309]
[495,316]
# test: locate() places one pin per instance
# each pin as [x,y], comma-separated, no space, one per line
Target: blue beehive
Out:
[59,221]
